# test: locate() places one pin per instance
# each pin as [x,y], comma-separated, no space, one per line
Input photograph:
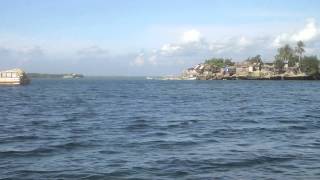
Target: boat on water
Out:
[72,76]
[14,77]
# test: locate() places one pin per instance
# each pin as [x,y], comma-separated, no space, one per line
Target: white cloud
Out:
[169,48]
[238,42]
[153,60]
[310,32]
[139,60]
[243,41]
[280,40]
[191,36]
[204,48]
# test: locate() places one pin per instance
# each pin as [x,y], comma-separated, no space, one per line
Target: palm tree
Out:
[285,53]
[299,50]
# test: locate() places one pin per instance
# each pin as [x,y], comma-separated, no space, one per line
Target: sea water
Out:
[108,128]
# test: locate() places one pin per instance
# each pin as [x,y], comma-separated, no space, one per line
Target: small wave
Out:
[256,112]
[223,132]
[21,138]
[69,145]
[256,161]
[42,151]
[135,127]
[138,125]
[289,121]
[306,146]
[38,171]
[209,164]
[33,152]
[171,144]
[182,124]
[295,127]
[307,116]
[253,121]
[109,152]
[156,134]
[73,145]
[207,137]
[160,134]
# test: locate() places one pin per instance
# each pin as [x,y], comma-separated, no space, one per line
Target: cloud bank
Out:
[193,44]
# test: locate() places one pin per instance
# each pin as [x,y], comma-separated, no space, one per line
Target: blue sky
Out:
[143,37]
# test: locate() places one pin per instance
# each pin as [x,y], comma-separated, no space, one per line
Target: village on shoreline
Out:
[289,64]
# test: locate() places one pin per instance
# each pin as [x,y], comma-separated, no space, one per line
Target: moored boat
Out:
[14,77]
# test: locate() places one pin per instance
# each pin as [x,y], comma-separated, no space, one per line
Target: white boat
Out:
[192,78]
[72,76]
[14,77]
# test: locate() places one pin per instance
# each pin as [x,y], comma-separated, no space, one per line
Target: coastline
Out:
[274,78]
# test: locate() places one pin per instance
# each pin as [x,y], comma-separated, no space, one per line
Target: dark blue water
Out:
[138,129]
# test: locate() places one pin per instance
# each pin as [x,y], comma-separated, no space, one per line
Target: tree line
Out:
[294,57]
[286,57]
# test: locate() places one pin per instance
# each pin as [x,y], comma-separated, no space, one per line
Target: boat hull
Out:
[14,81]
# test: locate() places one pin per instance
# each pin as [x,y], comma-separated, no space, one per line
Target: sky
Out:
[145,38]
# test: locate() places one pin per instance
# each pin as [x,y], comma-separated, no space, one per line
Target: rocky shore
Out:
[244,71]
[288,64]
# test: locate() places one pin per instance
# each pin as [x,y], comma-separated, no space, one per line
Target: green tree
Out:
[219,62]
[310,65]
[228,62]
[278,65]
[299,49]
[256,59]
[285,55]
[293,60]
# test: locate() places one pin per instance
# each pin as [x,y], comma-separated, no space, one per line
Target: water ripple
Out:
[137,129]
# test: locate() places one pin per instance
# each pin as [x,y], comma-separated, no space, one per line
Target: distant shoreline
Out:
[274,78]
[54,76]
[180,78]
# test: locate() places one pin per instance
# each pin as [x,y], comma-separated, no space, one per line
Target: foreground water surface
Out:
[139,129]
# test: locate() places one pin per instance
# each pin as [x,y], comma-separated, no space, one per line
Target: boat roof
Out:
[16,70]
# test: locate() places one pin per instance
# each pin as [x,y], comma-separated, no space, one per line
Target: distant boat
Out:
[149,78]
[14,77]
[72,76]
[192,78]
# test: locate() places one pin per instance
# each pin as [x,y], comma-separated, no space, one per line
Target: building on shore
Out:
[241,70]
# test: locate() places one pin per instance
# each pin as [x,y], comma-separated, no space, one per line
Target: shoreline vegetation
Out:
[288,64]
[55,76]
